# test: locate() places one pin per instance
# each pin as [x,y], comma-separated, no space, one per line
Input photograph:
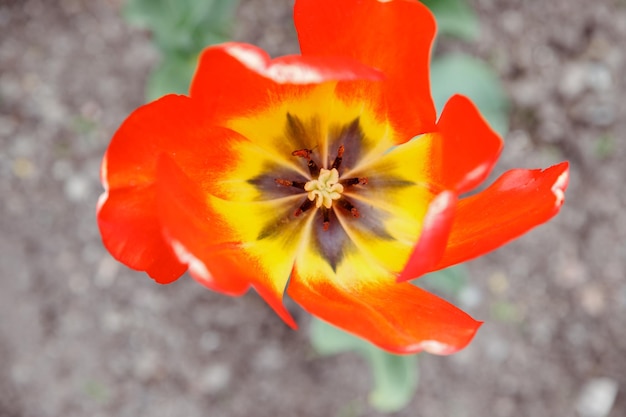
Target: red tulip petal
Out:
[394,37]
[151,129]
[197,236]
[465,149]
[126,212]
[130,227]
[131,232]
[224,241]
[235,79]
[518,201]
[397,317]
[434,236]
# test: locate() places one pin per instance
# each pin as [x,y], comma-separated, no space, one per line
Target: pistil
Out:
[325,188]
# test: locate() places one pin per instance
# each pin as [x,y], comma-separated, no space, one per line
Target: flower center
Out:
[325,188]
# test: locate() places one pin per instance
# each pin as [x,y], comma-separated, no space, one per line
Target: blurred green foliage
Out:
[454,18]
[181,29]
[505,311]
[351,409]
[464,74]
[605,146]
[395,377]
[448,282]
[96,390]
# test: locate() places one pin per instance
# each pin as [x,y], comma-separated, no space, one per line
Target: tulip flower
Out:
[326,176]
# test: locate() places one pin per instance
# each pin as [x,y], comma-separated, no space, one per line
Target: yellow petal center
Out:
[325,188]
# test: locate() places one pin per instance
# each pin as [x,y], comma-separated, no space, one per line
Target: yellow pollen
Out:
[325,188]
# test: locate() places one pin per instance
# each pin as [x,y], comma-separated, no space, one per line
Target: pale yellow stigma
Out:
[325,188]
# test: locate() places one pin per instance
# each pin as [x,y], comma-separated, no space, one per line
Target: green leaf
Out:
[505,311]
[605,146]
[329,340]
[454,18]
[172,75]
[97,391]
[351,409]
[447,282]
[180,30]
[183,26]
[143,13]
[460,73]
[395,376]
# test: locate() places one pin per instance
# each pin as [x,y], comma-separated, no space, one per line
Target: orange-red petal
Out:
[464,149]
[194,231]
[394,37]
[397,317]
[229,245]
[518,201]
[126,214]
[235,79]
[131,232]
[433,238]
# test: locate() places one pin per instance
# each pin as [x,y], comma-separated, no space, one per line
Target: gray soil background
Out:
[81,335]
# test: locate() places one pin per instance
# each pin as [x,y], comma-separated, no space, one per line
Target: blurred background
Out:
[81,335]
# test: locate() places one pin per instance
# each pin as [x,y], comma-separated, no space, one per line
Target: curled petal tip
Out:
[104,172]
[296,69]
[436,347]
[102,200]
[197,268]
[468,146]
[516,202]
[560,185]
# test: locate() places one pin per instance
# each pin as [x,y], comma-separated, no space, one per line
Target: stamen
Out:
[307,204]
[303,153]
[353,181]
[324,188]
[313,168]
[306,154]
[339,158]
[346,205]
[287,183]
[326,214]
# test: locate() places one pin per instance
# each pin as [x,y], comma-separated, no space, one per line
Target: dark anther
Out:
[304,207]
[287,183]
[338,158]
[306,154]
[353,181]
[303,153]
[326,214]
[345,204]
[313,169]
